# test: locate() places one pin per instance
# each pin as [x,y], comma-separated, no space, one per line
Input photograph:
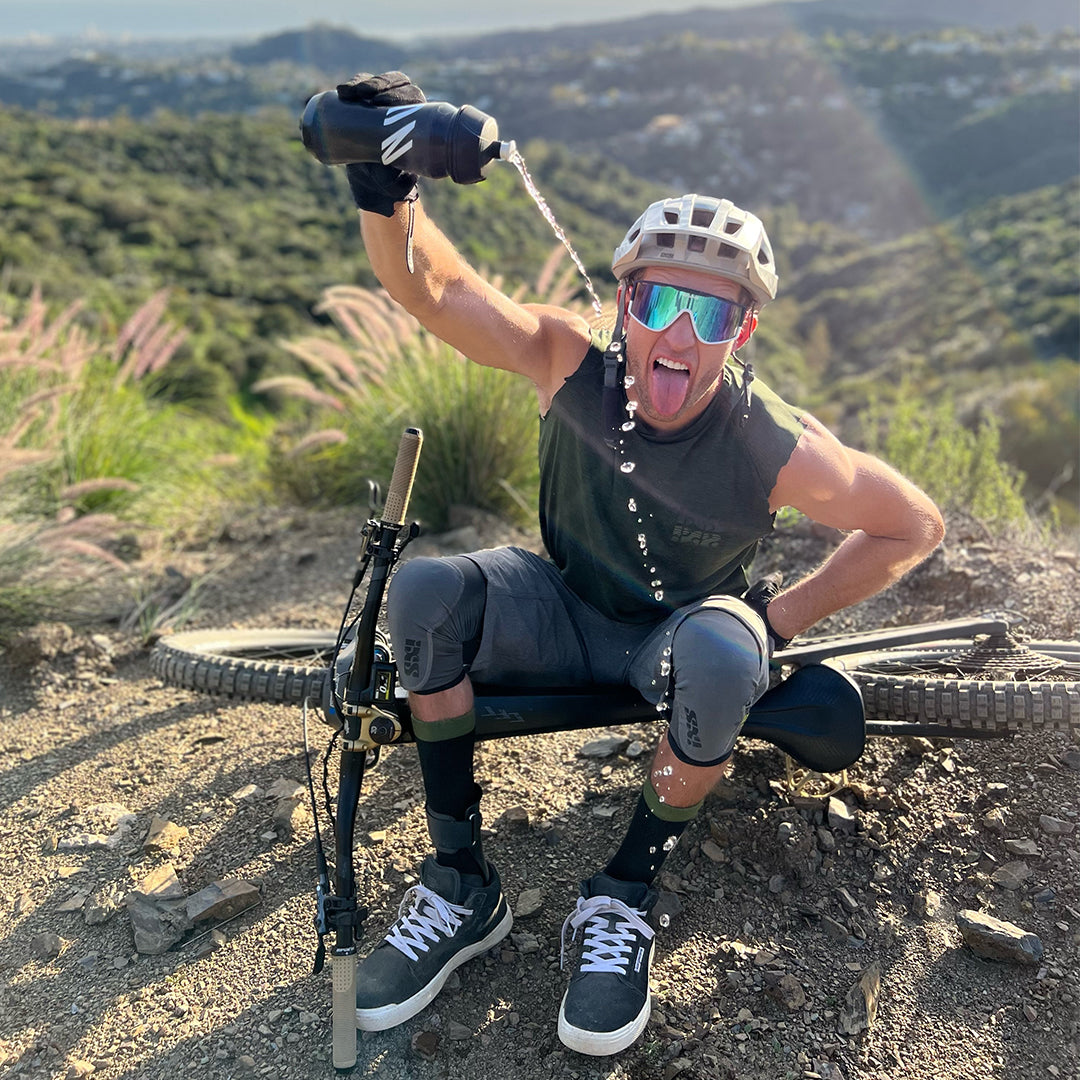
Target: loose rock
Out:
[608,746]
[164,835]
[1012,875]
[998,940]
[861,1002]
[222,900]
[45,946]
[530,901]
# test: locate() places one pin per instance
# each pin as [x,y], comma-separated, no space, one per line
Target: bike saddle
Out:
[815,715]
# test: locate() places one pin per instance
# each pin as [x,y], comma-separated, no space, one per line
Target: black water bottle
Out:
[433,139]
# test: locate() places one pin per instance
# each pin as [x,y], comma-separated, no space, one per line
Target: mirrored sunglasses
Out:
[716,320]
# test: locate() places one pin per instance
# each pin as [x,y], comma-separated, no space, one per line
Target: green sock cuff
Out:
[665,811]
[441,730]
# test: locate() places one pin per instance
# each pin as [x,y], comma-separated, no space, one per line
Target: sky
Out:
[253,18]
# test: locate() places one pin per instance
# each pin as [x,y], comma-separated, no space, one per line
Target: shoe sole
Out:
[389,1016]
[603,1043]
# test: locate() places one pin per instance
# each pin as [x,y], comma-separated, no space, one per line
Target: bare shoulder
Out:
[848,488]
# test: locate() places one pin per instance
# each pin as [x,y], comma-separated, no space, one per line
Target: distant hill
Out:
[772,20]
[331,48]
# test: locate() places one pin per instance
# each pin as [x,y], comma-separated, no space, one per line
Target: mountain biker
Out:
[651,522]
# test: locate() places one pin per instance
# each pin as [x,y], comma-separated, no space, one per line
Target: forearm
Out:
[861,566]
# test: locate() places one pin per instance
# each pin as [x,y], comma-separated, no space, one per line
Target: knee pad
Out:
[435,608]
[719,670]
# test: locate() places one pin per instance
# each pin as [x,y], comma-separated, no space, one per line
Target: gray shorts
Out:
[517,623]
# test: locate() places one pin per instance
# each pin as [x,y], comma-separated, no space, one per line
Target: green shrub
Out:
[957,467]
[386,373]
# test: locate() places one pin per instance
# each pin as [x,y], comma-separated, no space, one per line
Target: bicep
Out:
[542,342]
[847,489]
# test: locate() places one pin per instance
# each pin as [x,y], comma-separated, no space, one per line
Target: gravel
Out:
[806,936]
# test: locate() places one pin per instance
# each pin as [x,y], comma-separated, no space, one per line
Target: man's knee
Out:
[719,671]
[435,608]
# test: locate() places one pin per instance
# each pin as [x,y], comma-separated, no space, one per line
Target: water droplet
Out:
[661,798]
[628,426]
[628,381]
[670,842]
[627,467]
[665,918]
[667,650]
[652,851]
[660,707]
[631,505]
[659,594]
[655,582]
[665,669]
[667,770]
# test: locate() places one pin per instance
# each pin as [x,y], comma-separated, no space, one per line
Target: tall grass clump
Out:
[88,453]
[958,467]
[385,372]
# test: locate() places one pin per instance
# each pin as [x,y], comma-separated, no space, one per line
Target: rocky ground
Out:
[806,937]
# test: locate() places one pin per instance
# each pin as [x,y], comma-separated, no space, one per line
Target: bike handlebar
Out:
[401,483]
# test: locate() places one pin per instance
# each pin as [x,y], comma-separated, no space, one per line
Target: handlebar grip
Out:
[408,455]
[343,969]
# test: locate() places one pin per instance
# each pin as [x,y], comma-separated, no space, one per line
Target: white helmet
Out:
[707,234]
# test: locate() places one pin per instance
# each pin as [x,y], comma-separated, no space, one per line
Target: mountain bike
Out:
[966,678]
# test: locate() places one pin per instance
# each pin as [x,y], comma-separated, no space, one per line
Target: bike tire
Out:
[289,666]
[281,666]
[914,685]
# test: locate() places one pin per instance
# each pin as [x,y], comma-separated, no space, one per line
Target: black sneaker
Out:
[607,1004]
[442,923]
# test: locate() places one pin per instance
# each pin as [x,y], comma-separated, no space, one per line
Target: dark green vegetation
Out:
[920,192]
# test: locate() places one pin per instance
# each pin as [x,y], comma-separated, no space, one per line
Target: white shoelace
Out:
[430,916]
[605,947]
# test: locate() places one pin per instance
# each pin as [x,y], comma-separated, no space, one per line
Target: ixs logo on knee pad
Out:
[410,662]
[690,728]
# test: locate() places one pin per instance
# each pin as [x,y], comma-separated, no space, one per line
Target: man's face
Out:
[675,376]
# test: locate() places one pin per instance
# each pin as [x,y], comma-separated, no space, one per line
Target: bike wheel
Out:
[987,687]
[278,666]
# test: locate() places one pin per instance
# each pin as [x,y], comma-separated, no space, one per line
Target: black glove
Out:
[377,187]
[758,597]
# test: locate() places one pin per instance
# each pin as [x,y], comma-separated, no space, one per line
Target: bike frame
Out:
[814,714]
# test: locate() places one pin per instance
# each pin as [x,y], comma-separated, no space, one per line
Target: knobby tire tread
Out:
[178,661]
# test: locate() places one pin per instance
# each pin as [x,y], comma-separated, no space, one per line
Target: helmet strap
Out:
[611,400]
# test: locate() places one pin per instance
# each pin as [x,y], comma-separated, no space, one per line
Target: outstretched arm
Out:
[455,303]
[893,525]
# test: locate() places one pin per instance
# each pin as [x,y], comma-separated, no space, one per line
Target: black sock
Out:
[447,768]
[654,830]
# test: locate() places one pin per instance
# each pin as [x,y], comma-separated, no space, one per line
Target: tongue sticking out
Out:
[667,388]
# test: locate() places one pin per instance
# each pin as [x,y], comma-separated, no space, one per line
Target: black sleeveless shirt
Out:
[664,519]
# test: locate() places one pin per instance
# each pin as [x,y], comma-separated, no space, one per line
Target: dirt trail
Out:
[776,909]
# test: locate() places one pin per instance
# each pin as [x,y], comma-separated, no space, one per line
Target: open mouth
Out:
[669,381]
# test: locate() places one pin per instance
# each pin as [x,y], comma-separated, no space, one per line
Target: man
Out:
[662,465]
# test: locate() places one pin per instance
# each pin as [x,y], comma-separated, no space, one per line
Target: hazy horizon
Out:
[136,19]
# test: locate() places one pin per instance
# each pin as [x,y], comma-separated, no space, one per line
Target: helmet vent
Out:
[763,257]
[665,240]
[671,217]
[702,218]
[732,227]
[633,236]
[726,251]
[695,243]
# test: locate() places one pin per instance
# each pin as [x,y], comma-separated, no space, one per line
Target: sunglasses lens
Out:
[656,307]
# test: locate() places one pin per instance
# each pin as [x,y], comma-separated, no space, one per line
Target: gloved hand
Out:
[758,597]
[377,187]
